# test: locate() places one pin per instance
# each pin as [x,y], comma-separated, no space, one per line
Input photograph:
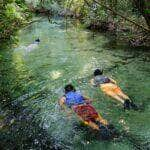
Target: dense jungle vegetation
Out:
[14,13]
[127,19]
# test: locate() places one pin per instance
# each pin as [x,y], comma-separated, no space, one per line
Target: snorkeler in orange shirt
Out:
[110,88]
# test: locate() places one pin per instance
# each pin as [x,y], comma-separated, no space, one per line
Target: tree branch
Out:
[110,9]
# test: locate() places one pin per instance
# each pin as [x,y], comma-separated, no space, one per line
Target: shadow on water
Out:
[117,136]
[21,132]
[18,127]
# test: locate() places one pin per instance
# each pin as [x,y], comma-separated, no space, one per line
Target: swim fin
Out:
[128,104]
[133,106]
[104,131]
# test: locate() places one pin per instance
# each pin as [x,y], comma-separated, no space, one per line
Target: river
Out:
[32,81]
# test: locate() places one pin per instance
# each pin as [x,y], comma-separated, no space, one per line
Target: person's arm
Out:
[63,106]
[62,102]
[92,82]
[113,81]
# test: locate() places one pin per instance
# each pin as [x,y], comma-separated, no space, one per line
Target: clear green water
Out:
[33,80]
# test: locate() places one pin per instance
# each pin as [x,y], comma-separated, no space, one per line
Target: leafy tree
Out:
[13,14]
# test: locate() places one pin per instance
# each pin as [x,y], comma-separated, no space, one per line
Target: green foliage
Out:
[50,5]
[54,6]
[13,14]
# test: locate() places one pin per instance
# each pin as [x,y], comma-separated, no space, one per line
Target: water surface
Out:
[33,80]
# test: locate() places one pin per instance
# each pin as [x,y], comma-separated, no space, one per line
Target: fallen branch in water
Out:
[36,20]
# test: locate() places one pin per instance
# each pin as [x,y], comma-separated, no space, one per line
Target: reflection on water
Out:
[32,82]
[55,74]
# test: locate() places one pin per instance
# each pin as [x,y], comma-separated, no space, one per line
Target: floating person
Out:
[84,110]
[33,45]
[37,40]
[110,88]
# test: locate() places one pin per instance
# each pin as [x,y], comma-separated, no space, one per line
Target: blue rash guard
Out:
[74,98]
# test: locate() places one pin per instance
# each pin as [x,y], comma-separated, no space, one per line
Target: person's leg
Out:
[93,125]
[128,103]
[115,96]
[110,90]
[101,120]
[90,123]
[120,93]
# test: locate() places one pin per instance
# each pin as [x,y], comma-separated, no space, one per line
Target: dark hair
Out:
[98,72]
[37,40]
[69,88]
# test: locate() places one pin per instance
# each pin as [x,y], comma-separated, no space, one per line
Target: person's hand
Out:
[113,81]
[69,114]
